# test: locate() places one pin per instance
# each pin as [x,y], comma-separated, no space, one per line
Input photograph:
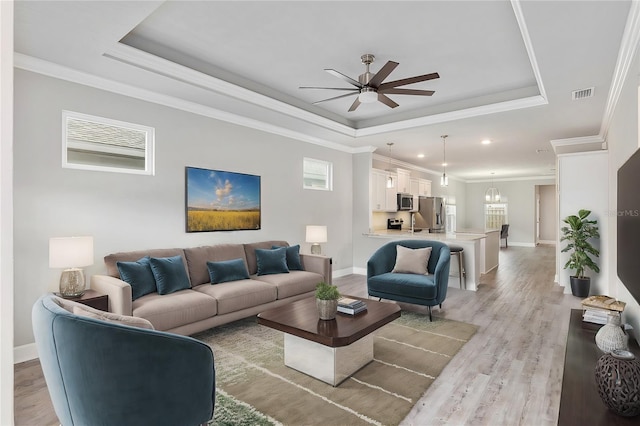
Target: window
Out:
[495,215]
[96,143]
[317,174]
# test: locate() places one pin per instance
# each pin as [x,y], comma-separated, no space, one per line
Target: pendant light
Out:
[492,195]
[389,177]
[444,180]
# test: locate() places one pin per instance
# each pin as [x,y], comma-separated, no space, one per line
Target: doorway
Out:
[545,217]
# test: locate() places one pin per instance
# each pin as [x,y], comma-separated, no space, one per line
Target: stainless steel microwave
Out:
[405,201]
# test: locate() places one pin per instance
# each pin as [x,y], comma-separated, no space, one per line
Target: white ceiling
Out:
[507,69]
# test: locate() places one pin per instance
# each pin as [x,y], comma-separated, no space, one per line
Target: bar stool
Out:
[458,252]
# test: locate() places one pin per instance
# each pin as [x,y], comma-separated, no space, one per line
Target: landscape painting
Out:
[221,201]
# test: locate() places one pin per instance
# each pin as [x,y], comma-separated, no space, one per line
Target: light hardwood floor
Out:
[510,373]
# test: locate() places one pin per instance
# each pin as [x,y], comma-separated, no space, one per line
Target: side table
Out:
[92,298]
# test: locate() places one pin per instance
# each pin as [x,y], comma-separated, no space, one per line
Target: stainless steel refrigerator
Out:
[431,214]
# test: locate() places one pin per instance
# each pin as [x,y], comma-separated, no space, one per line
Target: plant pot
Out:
[327,309]
[580,286]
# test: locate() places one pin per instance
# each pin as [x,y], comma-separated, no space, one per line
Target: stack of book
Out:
[596,309]
[351,306]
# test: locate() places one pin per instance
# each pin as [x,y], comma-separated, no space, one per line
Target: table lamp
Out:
[316,234]
[71,253]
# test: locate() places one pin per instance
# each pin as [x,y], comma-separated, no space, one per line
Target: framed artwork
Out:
[221,201]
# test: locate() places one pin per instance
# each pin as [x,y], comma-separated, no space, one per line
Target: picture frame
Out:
[217,200]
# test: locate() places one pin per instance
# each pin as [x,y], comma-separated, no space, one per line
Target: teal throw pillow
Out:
[272,261]
[139,276]
[169,274]
[293,257]
[227,270]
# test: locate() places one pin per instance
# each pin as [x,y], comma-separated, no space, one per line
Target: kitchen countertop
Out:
[424,235]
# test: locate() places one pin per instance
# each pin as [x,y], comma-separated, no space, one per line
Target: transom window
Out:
[97,143]
[317,174]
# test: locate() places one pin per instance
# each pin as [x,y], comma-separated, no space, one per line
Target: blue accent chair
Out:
[427,290]
[102,373]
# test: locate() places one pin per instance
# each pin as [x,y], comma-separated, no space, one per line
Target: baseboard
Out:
[342,272]
[549,242]
[25,353]
[360,271]
[520,244]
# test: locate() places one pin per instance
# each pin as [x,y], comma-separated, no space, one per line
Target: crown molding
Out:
[524,31]
[626,54]
[410,166]
[160,66]
[50,69]
[582,140]
[513,179]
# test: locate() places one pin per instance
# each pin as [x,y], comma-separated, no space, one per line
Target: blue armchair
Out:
[428,290]
[101,373]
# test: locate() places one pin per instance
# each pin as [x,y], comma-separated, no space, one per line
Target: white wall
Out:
[127,212]
[548,210]
[521,207]
[583,184]
[6,213]
[623,140]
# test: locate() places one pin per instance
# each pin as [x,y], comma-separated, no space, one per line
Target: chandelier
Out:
[492,195]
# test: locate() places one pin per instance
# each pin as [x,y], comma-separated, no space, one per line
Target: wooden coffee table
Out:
[333,350]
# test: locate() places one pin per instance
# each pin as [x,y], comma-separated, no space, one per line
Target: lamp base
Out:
[316,249]
[72,283]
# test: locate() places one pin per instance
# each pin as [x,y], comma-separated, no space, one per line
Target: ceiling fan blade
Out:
[343,77]
[396,91]
[382,74]
[387,101]
[409,80]
[336,97]
[355,105]
[330,88]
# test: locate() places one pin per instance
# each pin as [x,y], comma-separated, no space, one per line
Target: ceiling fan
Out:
[370,87]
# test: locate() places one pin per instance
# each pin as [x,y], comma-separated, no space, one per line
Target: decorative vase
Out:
[580,286]
[611,336]
[618,380]
[327,309]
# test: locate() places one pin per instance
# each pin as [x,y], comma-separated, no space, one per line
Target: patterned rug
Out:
[254,387]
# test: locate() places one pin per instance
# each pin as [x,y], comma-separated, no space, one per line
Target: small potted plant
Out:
[578,234]
[327,296]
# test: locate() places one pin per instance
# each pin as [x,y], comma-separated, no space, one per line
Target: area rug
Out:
[254,387]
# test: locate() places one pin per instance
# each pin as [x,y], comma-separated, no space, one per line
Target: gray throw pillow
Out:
[412,261]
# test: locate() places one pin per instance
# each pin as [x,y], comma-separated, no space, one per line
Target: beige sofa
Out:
[204,305]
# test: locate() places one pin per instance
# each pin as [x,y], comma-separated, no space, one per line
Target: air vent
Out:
[582,93]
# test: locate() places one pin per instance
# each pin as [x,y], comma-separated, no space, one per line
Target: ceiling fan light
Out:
[367,95]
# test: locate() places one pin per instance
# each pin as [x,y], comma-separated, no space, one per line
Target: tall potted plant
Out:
[578,233]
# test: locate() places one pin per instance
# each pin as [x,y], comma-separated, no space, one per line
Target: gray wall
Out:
[126,212]
[520,196]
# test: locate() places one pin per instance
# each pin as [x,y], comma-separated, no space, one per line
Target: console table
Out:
[580,403]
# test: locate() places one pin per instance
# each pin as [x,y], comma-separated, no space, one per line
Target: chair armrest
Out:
[319,264]
[441,274]
[119,293]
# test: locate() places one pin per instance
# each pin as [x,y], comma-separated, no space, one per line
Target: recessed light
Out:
[486,141]
[420,155]
[444,164]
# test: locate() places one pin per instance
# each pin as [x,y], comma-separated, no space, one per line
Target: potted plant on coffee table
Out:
[327,296]
[578,233]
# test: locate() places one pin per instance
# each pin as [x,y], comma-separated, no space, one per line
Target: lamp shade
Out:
[70,252]
[316,234]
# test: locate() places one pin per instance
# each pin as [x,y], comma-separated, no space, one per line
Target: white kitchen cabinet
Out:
[404,181]
[420,187]
[383,191]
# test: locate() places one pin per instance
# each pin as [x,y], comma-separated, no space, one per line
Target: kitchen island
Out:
[480,250]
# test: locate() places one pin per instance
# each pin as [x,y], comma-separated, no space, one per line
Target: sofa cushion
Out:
[293,283]
[139,276]
[407,285]
[236,295]
[180,308]
[293,257]
[170,274]
[197,258]
[411,261]
[131,256]
[250,252]
[227,270]
[272,261]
